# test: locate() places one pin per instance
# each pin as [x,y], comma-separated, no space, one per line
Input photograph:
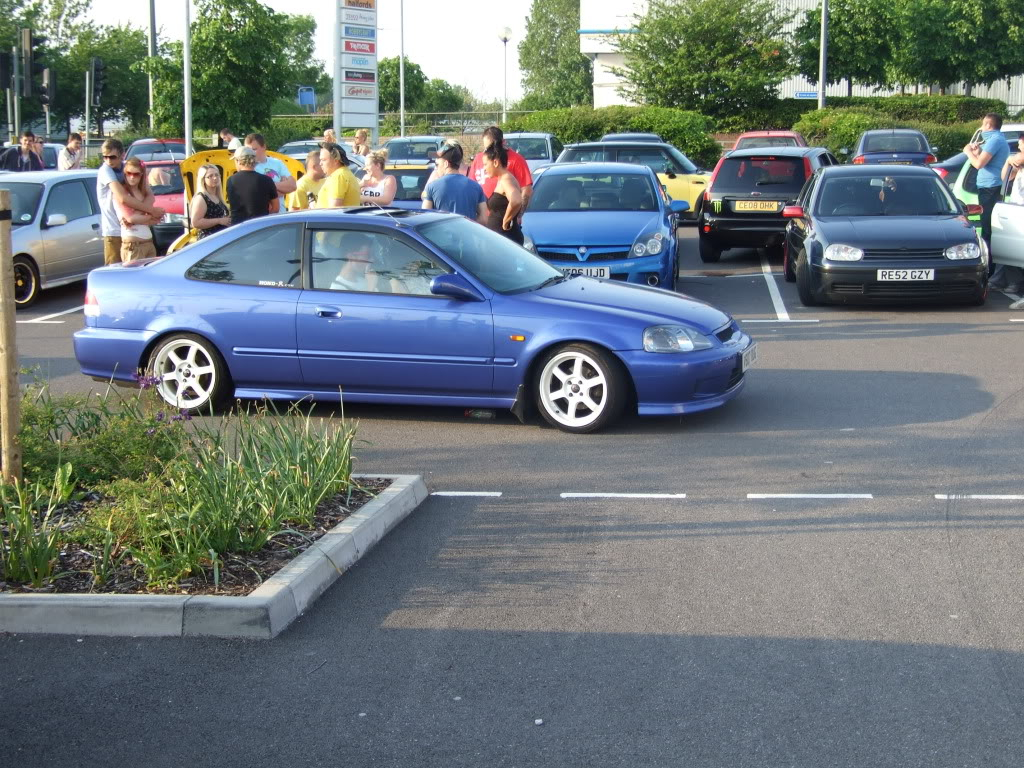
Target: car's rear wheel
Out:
[26,282]
[709,253]
[580,388]
[190,372]
[805,281]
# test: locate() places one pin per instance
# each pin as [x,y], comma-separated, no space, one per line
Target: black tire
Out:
[980,298]
[805,281]
[709,253]
[209,382]
[787,267]
[559,399]
[26,282]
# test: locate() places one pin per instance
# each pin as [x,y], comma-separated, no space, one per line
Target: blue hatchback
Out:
[610,220]
[419,308]
[893,146]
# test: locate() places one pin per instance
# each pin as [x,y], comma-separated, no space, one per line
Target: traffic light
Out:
[99,79]
[5,70]
[31,63]
[49,87]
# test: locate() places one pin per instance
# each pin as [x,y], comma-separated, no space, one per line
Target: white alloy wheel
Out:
[189,372]
[580,388]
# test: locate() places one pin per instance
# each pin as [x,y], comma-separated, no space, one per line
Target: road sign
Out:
[355,65]
[806,94]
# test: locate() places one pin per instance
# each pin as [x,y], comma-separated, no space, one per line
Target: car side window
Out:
[971,180]
[70,198]
[371,262]
[556,147]
[805,193]
[653,158]
[269,257]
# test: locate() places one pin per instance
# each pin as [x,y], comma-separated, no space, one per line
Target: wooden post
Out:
[10,396]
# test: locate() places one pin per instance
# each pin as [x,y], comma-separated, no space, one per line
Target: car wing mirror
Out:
[454,286]
[844,151]
[56,220]
[679,206]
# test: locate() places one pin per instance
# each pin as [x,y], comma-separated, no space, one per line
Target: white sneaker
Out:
[1019,304]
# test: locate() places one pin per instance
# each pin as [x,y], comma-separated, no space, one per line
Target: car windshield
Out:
[410,149]
[895,143]
[492,258]
[765,174]
[753,142]
[165,180]
[584,155]
[530,149]
[24,201]
[409,182]
[593,192]
[880,195]
[683,160]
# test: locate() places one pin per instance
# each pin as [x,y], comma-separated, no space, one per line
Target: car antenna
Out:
[387,212]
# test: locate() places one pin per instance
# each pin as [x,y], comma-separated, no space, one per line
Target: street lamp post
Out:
[823,55]
[505,35]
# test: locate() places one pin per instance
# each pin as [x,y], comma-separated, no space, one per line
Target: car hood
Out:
[173,203]
[894,231]
[591,228]
[651,306]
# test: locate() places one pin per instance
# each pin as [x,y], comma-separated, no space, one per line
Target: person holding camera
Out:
[988,156]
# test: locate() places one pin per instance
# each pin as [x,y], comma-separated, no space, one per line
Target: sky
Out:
[455,40]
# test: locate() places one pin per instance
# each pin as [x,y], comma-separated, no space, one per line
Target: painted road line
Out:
[810,496]
[49,318]
[980,496]
[482,494]
[1017,319]
[790,320]
[623,495]
[773,290]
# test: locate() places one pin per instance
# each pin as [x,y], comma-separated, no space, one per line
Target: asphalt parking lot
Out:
[825,572]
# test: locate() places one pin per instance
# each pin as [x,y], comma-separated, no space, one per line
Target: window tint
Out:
[70,198]
[582,192]
[753,142]
[880,195]
[371,262]
[268,257]
[584,155]
[556,147]
[409,150]
[410,183]
[49,157]
[653,158]
[971,180]
[530,149]
[165,180]
[24,199]
[764,174]
[895,143]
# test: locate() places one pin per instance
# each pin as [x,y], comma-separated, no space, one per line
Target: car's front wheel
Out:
[805,281]
[26,282]
[709,253]
[190,373]
[580,388]
[787,265]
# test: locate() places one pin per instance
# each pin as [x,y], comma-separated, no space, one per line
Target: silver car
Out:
[1008,229]
[538,149]
[55,229]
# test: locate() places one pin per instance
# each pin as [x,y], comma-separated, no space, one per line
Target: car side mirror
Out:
[935,150]
[56,220]
[669,171]
[793,212]
[454,287]
[844,151]
[679,206]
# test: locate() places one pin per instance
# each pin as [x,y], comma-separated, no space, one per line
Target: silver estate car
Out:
[55,229]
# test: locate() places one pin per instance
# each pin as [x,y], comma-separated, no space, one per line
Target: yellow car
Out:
[222,159]
[411,179]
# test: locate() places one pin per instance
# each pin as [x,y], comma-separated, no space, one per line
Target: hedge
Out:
[837,128]
[689,131]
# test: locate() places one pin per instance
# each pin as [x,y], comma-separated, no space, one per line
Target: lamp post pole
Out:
[505,35]
[401,67]
[822,54]
[187,54]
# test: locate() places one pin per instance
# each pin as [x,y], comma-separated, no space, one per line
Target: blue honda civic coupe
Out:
[395,306]
[609,220]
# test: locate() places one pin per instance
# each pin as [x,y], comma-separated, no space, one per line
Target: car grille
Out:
[591,257]
[737,373]
[725,334]
[895,254]
[905,289]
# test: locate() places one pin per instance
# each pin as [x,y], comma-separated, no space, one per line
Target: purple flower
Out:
[151,431]
[176,417]
[160,416]
[186,415]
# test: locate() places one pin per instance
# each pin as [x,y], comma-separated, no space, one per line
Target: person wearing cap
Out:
[452,191]
[341,188]
[250,194]
[272,167]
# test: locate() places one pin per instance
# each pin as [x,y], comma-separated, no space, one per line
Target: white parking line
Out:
[623,495]
[810,496]
[482,494]
[773,290]
[48,319]
[981,496]
[787,320]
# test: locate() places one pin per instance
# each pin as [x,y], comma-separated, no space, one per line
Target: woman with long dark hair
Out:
[504,205]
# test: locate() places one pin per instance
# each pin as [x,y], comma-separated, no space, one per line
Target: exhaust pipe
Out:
[652,280]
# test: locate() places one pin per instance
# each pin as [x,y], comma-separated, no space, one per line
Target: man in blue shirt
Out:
[452,191]
[988,156]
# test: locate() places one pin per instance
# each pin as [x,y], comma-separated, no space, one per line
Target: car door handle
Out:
[698,182]
[328,312]
[1004,218]
[95,226]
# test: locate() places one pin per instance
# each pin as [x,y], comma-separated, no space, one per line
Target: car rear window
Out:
[902,143]
[766,141]
[410,183]
[742,175]
[165,180]
[409,149]
[530,149]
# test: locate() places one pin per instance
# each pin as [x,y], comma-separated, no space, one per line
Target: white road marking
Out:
[981,496]
[1013,320]
[623,495]
[483,494]
[790,320]
[773,290]
[810,496]
[49,318]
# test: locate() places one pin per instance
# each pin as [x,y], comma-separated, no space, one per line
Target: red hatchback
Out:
[165,179]
[757,139]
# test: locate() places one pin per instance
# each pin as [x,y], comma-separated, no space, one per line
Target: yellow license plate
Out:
[763,206]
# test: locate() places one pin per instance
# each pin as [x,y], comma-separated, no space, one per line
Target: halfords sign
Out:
[369,5]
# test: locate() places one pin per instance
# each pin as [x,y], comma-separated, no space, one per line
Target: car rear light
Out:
[943,172]
[931,159]
[92,306]
[807,167]
[858,160]
[714,174]
[792,212]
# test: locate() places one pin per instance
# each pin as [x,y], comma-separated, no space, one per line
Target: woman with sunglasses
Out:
[136,235]
[208,212]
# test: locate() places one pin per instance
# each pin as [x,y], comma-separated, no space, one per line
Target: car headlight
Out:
[528,244]
[963,251]
[674,338]
[648,245]
[839,252]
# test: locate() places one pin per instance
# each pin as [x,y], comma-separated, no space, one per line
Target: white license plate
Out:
[906,274]
[586,271]
[749,356]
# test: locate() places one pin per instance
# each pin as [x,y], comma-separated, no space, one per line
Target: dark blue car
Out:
[609,220]
[893,146]
[391,306]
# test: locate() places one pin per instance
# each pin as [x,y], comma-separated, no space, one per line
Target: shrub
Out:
[284,129]
[943,110]
[838,128]
[689,131]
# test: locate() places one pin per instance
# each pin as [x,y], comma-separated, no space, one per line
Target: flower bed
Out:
[122,495]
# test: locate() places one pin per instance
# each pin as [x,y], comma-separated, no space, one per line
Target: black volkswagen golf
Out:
[882,233]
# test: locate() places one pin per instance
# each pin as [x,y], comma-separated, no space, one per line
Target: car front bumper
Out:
[858,282]
[639,270]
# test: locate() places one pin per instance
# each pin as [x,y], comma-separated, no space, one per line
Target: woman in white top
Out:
[377,187]
[136,235]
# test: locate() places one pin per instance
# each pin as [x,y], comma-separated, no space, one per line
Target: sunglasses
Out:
[110,157]
[132,173]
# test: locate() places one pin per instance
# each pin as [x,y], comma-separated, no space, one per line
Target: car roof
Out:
[356,214]
[52,175]
[618,143]
[529,135]
[749,134]
[632,136]
[415,138]
[163,162]
[779,151]
[564,169]
[877,170]
[892,131]
[157,141]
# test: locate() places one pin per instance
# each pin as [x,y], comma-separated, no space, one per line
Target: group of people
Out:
[28,154]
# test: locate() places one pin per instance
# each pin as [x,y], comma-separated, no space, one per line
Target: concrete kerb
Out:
[262,614]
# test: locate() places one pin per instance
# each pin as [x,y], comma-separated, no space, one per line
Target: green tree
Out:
[388,82]
[860,42]
[555,73]
[441,96]
[703,55]
[125,95]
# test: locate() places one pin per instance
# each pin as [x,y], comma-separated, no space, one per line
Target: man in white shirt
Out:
[231,141]
[70,158]
[272,167]
[112,197]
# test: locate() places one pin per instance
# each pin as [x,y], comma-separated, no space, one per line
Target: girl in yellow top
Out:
[341,188]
